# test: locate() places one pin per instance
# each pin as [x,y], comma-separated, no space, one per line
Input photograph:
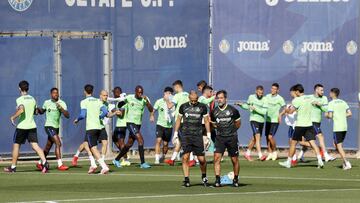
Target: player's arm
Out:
[207,101]
[81,116]
[103,112]
[150,108]
[63,110]
[18,112]
[237,119]
[40,111]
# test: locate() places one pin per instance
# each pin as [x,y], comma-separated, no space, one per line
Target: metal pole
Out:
[107,82]
[210,68]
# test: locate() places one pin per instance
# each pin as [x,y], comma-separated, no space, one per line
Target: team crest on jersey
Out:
[227,113]
[20,5]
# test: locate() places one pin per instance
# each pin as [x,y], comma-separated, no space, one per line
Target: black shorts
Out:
[21,135]
[119,133]
[103,135]
[230,143]
[163,133]
[271,128]
[307,132]
[194,144]
[291,132]
[133,129]
[51,131]
[317,128]
[256,127]
[339,137]
[92,137]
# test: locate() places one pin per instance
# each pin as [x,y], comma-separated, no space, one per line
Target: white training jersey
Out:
[290,119]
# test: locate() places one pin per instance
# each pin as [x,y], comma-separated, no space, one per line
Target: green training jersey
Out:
[26,119]
[258,114]
[339,108]
[304,107]
[164,114]
[93,111]
[180,99]
[274,104]
[206,101]
[121,120]
[135,109]
[53,114]
[316,115]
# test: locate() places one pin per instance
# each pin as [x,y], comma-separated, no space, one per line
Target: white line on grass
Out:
[175,175]
[198,195]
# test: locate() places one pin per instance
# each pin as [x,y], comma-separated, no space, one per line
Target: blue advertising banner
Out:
[288,42]
[155,42]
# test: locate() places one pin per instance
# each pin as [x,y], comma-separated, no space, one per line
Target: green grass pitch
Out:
[260,182]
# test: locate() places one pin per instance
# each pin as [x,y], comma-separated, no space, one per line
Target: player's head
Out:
[139,91]
[117,92]
[207,91]
[168,91]
[299,89]
[334,93]
[259,90]
[221,98]
[193,97]
[54,93]
[292,92]
[24,86]
[178,86]
[275,88]
[319,90]
[200,85]
[104,95]
[88,89]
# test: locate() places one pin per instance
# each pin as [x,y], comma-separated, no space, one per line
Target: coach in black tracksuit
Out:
[192,113]
[226,120]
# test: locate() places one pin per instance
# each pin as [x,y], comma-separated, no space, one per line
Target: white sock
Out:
[59,162]
[77,153]
[40,161]
[43,162]
[248,152]
[289,160]
[191,156]
[103,156]
[102,163]
[294,157]
[174,155]
[319,157]
[301,154]
[13,166]
[260,155]
[157,157]
[92,161]
[326,154]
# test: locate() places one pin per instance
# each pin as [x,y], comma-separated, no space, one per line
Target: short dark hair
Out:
[299,87]
[207,87]
[117,88]
[53,89]
[292,88]
[24,86]
[89,89]
[178,82]
[318,85]
[275,85]
[169,89]
[139,87]
[259,87]
[222,92]
[336,91]
[202,83]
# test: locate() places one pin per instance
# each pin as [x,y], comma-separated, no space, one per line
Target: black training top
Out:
[192,116]
[225,120]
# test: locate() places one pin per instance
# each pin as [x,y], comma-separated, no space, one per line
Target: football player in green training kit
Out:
[119,133]
[276,104]
[25,128]
[257,106]
[93,110]
[103,139]
[339,111]
[164,123]
[136,104]
[226,120]
[179,98]
[320,105]
[53,109]
[302,104]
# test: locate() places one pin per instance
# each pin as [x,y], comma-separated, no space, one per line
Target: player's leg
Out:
[203,165]
[166,139]
[104,143]
[268,142]
[93,137]
[185,167]
[338,141]
[32,138]
[219,151]
[58,144]
[258,147]
[290,136]
[140,140]
[18,139]
[157,150]
[297,136]
[46,150]
[81,148]
[124,150]
[272,141]
[252,142]
[233,150]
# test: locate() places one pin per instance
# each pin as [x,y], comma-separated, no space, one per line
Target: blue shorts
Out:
[51,131]
[291,132]
[271,128]
[317,128]
[133,129]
